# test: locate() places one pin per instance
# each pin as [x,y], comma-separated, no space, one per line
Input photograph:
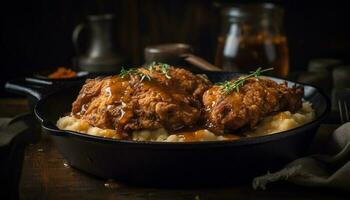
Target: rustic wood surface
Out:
[10,107]
[45,175]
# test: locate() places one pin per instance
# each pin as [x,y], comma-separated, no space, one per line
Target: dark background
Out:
[37,34]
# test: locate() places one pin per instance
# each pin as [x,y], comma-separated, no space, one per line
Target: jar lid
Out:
[253,10]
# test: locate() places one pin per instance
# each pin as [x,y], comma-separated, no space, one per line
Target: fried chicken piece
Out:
[257,98]
[143,99]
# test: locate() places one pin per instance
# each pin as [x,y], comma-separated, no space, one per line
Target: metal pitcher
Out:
[100,54]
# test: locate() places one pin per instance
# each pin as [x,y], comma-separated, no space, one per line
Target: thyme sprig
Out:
[228,86]
[133,71]
[151,67]
[163,68]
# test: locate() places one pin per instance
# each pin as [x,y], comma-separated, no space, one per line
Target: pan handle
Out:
[200,62]
[30,87]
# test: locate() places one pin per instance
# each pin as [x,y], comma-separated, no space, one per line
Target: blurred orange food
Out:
[63,72]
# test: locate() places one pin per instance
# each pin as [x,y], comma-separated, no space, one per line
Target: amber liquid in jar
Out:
[249,53]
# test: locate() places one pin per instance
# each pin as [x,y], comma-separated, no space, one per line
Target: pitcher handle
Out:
[75,36]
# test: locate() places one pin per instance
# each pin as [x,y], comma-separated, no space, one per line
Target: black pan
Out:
[173,164]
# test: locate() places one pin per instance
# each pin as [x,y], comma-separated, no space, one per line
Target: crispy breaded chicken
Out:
[145,98]
[257,98]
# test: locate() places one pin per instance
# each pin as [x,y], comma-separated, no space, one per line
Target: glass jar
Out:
[252,36]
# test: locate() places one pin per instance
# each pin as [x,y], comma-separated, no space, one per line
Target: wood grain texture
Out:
[10,107]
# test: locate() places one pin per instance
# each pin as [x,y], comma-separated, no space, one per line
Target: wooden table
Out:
[46,176]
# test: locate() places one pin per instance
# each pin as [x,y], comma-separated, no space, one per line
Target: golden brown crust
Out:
[179,100]
[128,104]
[256,99]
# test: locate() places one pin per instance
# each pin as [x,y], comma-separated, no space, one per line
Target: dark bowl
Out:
[44,73]
[40,82]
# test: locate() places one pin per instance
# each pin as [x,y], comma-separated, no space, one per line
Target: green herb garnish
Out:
[151,67]
[133,71]
[123,72]
[228,86]
[163,68]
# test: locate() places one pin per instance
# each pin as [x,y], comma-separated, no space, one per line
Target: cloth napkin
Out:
[331,169]
[4,122]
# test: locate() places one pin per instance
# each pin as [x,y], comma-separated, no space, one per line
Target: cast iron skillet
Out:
[173,164]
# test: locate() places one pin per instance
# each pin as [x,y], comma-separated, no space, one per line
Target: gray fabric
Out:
[4,122]
[327,170]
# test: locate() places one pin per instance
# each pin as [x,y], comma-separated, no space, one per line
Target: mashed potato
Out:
[272,124]
[73,124]
[283,121]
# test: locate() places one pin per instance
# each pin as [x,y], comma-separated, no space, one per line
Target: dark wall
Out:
[36,34]
[318,29]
